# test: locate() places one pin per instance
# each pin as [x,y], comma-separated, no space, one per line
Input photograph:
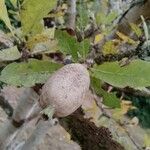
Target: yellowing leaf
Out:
[43,42]
[10,54]
[64,6]
[126,106]
[4,15]
[35,40]
[56,15]
[50,32]
[48,46]
[32,13]
[125,38]
[90,108]
[118,114]
[147,139]
[109,48]
[98,38]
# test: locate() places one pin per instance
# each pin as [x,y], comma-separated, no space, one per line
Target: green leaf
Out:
[83,18]
[10,54]
[110,18]
[83,48]
[28,74]
[109,99]
[14,3]
[105,21]
[100,18]
[136,29]
[4,15]
[32,13]
[69,45]
[101,12]
[135,75]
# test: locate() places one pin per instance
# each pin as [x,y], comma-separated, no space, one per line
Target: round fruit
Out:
[65,89]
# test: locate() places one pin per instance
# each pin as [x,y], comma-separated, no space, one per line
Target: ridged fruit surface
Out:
[65,89]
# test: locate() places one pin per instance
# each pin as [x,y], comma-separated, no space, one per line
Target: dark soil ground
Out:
[88,135]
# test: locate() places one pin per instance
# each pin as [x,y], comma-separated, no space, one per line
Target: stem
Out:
[71,15]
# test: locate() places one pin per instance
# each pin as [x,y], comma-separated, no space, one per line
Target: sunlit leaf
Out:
[32,13]
[28,73]
[4,15]
[10,54]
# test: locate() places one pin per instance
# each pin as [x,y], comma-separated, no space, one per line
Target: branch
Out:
[133,15]
[71,16]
